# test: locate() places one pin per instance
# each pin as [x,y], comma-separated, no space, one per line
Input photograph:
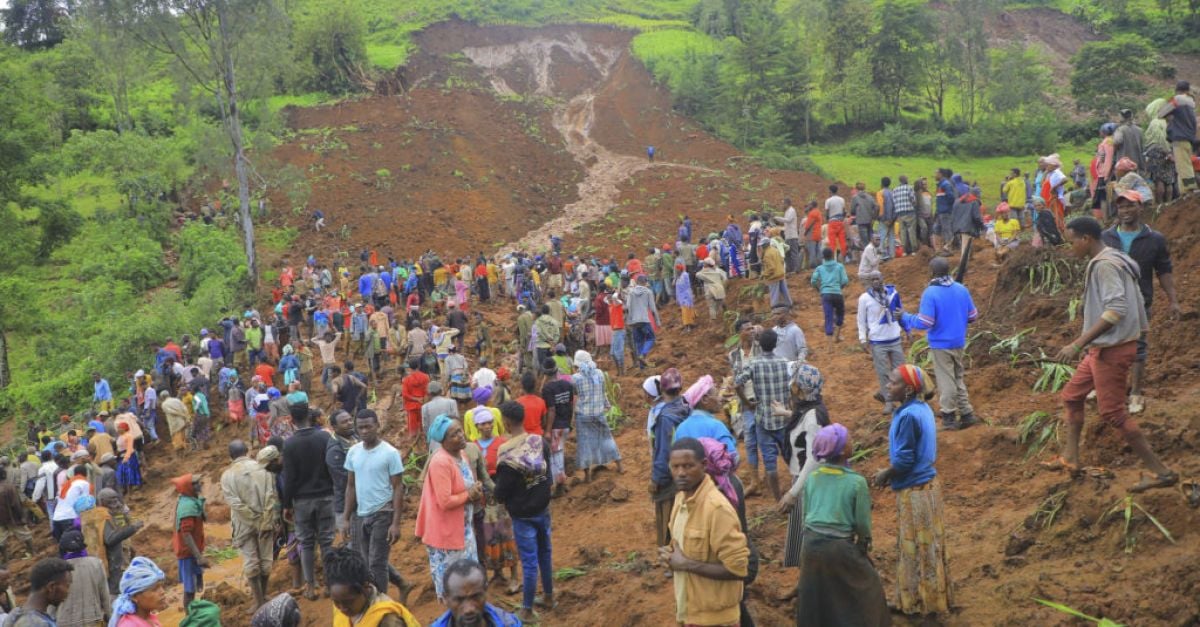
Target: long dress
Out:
[441,559]
[595,445]
[500,547]
[129,471]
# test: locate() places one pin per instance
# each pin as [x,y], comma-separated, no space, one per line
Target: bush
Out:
[1034,134]
[331,49]
[119,250]
[896,140]
[208,252]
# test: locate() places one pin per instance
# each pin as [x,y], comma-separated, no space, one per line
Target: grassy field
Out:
[85,192]
[989,172]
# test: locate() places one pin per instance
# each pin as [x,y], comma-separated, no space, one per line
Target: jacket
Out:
[670,416]
[524,496]
[1180,112]
[879,324]
[440,520]
[713,279]
[712,533]
[1149,250]
[946,310]
[303,478]
[249,489]
[772,265]
[830,277]
[1111,293]
[864,209]
[965,216]
[912,445]
[639,306]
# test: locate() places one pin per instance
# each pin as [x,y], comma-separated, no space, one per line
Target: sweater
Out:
[946,310]
[772,265]
[830,277]
[837,499]
[1149,250]
[912,445]
[1111,293]
[440,519]
[878,324]
[304,476]
[639,306]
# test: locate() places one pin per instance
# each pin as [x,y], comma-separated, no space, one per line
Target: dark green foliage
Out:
[33,24]
[207,252]
[331,49]
[718,18]
[58,223]
[1105,78]
[899,50]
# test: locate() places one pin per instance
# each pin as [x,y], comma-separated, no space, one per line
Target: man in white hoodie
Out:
[879,330]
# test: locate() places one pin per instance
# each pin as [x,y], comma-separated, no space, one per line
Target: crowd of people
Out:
[485,430]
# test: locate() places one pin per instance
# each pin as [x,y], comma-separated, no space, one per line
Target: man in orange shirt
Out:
[535,407]
[266,372]
[414,388]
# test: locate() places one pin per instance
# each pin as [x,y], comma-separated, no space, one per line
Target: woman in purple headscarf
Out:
[720,464]
[838,583]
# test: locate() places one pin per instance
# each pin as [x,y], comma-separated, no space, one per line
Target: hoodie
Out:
[639,306]
[965,217]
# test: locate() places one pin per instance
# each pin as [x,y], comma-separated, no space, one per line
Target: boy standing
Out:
[188,540]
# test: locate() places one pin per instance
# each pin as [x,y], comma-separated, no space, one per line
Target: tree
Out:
[967,52]
[217,44]
[844,42]
[144,168]
[1018,79]
[331,49]
[752,79]
[898,49]
[1105,75]
[107,28]
[717,18]
[33,24]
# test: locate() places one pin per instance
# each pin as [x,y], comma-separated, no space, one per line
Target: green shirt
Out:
[836,498]
[254,338]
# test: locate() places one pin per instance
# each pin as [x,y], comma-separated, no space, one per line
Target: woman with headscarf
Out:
[289,364]
[129,469]
[281,611]
[141,596]
[479,413]
[258,400]
[458,379]
[1053,189]
[499,547]
[1160,166]
[923,568]
[838,583]
[683,295]
[594,444]
[447,502]
[806,385]
[733,238]
[279,410]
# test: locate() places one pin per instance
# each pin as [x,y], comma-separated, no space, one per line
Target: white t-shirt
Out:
[835,207]
[483,378]
[65,508]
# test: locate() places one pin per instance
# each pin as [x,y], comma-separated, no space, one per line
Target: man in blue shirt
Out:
[374,498]
[946,310]
[102,394]
[465,583]
[945,195]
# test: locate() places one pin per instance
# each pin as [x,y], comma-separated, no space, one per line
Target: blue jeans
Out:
[750,433]
[643,338]
[771,442]
[618,346]
[780,297]
[533,544]
[834,308]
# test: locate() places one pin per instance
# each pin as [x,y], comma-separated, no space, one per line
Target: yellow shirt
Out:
[472,432]
[1014,191]
[1007,228]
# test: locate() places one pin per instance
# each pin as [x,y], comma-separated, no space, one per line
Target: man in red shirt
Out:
[616,319]
[535,407]
[266,372]
[812,234]
[414,387]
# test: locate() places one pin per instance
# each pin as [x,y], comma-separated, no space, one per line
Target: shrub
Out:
[331,49]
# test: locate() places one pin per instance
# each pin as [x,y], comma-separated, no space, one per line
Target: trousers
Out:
[948,371]
[368,534]
[886,358]
[314,525]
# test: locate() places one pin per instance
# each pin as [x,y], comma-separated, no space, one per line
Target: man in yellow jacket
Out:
[709,554]
[773,271]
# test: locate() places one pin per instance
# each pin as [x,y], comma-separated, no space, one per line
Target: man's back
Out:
[302,477]
[835,207]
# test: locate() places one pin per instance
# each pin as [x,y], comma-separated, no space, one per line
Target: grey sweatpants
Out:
[949,371]
[886,358]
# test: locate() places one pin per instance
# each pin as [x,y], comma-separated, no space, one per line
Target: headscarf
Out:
[202,613]
[267,454]
[273,392]
[698,390]
[718,463]
[281,611]
[71,544]
[441,425]
[670,380]
[502,373]
[651,386]
[481,395]
[141,575]
[915,378]
[1054,160]
[583,359]
[809,380]
[830,443]
[1156,130]
[288,350]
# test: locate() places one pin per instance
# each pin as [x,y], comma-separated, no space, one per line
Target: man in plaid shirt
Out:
[769,374]
[905,200]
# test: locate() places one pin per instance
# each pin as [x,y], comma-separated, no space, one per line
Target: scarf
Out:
[942,281]
[524,454]
[141,575]
[201,613]
[830,443]
[718,463]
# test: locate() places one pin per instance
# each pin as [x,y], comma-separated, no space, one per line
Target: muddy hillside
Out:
[507,135]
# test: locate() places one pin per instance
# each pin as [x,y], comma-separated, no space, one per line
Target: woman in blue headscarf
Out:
[838,583]
[141,596]
[448,499]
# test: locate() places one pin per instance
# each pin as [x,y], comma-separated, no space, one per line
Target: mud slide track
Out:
[605,170]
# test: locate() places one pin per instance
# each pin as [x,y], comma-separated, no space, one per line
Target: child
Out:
[188,540]
[830,277]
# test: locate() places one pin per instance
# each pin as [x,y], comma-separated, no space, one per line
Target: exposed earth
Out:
[507,135]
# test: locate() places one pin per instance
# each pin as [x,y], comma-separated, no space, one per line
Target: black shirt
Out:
[304,479]
[560,395]
[1149,250]
[524,497]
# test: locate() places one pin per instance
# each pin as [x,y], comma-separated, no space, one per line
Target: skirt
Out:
[558,463]
[594,443]
[794,540]
[688,315]
[237,411]
[441,559]
[262,429]
[200,428]
[838,585]
[129,472]
[603,335]
[500,548]
[923,568]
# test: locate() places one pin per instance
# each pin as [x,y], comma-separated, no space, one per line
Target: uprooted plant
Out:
[1126,506]
[1036,431]
[1049,508]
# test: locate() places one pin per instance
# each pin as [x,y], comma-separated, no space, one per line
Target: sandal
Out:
[1098,472]
[1061,463]
[1158,481]
[540,601]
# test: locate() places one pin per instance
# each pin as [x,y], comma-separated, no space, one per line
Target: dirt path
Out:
[574,119]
